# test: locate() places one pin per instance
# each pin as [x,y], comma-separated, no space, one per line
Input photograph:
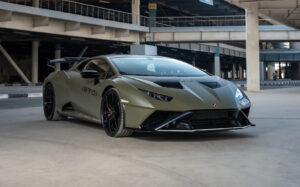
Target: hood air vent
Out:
[169,84]
[211,85]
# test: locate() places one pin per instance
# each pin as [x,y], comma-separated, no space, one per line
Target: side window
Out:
[81,66]
[101,66]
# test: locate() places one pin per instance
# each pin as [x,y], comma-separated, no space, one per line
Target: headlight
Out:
[240,97]
[157,96]
[238,94]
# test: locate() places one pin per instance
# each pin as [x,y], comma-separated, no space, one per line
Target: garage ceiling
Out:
[284,11]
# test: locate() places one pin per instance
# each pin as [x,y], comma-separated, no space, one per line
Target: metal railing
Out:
[23,2]
[83,9]
[190,21]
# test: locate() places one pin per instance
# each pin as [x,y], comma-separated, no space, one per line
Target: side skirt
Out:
[82,116]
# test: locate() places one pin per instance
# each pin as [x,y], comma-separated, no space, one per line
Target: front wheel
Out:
[113,115]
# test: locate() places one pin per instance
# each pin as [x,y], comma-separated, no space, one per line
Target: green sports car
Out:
[127,93]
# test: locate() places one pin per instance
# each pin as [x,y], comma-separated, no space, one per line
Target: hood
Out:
[212,82]
[191,92]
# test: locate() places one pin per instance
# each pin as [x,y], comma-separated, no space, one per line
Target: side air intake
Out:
[67,107]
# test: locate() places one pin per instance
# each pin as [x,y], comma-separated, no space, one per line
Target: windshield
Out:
[155,66]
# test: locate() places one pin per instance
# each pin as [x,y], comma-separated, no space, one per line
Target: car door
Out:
[88,92]
[74,83]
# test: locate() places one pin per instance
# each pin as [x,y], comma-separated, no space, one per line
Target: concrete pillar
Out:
[240,71]
[271,70]
[252,48]
[35,61]
[296,45]
[57,54]
[225,74]
[262,71]
[233,71]
[152,14]
[217,61]
[298,70]
[135,9]
[36,3]
[194,61]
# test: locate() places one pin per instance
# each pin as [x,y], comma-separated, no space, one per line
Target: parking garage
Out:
[252,44]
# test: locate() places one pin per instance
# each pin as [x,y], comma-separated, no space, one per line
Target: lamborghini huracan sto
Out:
[128,93]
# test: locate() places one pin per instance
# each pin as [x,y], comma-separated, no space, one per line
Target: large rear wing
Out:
[67,60]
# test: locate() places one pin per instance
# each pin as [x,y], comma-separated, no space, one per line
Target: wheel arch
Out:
[106,89]
[57,80]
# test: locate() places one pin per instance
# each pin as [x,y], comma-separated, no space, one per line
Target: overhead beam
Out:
[267,4]
[98,30]
[219,35]
[40,21]
[27,11]
[72,26]
[25,24]
[122,33]
[5,15]
[278,10]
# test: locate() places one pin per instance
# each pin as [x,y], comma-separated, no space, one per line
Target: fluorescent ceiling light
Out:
[78,39]
[101,1]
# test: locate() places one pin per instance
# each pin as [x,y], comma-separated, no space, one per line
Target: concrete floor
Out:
[35,152]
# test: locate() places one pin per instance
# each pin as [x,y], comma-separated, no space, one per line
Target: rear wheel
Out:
[113,115]
[49,104]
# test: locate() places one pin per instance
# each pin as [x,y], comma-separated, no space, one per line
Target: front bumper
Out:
[197,121]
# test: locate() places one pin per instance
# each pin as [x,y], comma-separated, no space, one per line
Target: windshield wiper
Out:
[123,73]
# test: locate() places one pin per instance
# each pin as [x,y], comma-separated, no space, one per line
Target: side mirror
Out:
[90,74]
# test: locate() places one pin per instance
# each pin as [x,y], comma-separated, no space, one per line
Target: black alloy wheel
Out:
[49,101]
[113,114]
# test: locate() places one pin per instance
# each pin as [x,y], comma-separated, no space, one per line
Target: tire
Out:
[113,115]
[49,104]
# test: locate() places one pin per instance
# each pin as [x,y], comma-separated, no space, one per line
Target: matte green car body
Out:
[86,96]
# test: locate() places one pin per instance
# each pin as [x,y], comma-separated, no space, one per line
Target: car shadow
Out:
[203,136]
[85,123]
[180,137]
